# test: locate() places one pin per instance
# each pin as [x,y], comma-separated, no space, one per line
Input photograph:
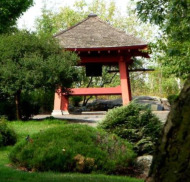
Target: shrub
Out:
[7,107]
[74,148]
[75,100]
[35,102]
[135,123]
[172,98]
[7,135]
[32,103]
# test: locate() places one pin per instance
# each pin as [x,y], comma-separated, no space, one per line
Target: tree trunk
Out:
[171,162]
[17,103]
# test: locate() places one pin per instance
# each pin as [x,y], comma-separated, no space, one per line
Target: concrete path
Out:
[92,118]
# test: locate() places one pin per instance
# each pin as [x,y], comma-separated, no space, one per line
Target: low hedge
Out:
[74,148]
[137,124]
[7,135]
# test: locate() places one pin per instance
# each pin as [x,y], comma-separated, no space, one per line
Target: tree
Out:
[171,161]
[51,22]
[173,17]
[29,62]
[10,11]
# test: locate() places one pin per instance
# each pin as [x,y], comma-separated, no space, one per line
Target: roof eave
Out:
[143,46]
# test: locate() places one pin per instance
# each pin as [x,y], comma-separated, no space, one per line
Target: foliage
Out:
[29,128]
[172,99]
[31,103]
[29,62]
[158,83]
[7,134]
[173,17]
[135,123]
[73,148]
[52,22]
[7,107]
[20,176]
[36,63]
[10,12]
[75,100]
[36,102]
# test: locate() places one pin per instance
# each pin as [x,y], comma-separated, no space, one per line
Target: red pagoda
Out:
[97,43]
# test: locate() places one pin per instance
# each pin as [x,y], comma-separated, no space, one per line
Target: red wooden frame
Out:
[105,56]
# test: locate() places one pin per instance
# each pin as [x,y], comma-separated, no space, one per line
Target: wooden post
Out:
[64,104]
[125,81]
[60,103]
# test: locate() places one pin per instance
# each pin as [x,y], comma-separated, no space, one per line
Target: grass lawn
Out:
[23,129]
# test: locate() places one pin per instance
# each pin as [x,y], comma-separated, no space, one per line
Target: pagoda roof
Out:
[92,32]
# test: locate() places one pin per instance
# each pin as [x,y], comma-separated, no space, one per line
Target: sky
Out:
[27,20]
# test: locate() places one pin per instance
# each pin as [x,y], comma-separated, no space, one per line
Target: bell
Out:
[93,69]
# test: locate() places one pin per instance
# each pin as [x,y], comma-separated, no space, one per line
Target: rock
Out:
[165,104]
[103,105]
[144,162]
[154,103]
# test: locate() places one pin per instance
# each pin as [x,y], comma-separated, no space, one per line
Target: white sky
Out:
[28,18]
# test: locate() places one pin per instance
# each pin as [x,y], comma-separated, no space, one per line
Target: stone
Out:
[165,104]
[154,103]
[103,105]
[144,162]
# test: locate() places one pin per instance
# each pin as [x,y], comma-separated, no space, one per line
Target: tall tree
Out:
[10,11]
[29,62]
[171,161]
[173,17]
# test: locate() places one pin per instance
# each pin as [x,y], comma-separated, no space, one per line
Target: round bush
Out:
[74,148]
[7,135]
[135,123]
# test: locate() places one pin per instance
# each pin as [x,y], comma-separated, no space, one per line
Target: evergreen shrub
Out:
[75,100]
[172,98]
[135,123]
[32,103]
[74,148]
[7,135]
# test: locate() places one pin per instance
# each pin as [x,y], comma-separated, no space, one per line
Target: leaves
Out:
[173,17]
[10,11]
[136,124]
[30,62]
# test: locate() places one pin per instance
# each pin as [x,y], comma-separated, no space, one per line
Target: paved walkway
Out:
[92,118]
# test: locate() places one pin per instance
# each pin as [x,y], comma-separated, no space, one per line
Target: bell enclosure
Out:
[97,43]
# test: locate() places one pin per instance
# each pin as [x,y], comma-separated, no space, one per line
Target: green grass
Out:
[8,174]
[31,127]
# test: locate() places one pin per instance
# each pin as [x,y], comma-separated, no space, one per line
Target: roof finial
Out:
[92,15]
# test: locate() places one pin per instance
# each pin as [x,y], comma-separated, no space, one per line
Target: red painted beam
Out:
[103,60]
[99,60]
[94,91]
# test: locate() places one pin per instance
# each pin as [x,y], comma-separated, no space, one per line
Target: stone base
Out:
[65,112]
[59,113]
